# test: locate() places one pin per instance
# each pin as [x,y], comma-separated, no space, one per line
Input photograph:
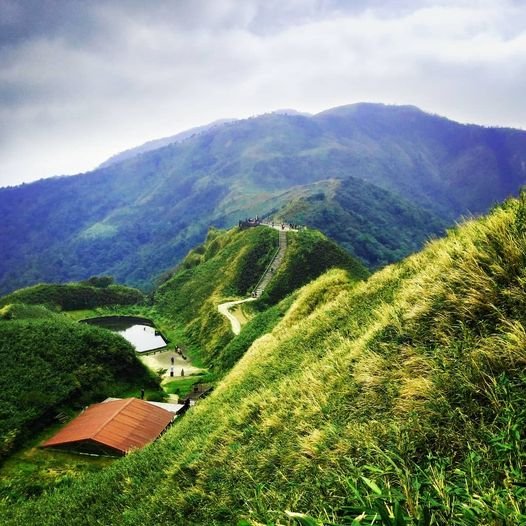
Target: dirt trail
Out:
[224,308]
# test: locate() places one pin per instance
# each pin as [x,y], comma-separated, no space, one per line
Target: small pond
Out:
[140,332]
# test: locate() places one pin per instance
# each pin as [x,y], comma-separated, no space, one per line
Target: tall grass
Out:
[396,401]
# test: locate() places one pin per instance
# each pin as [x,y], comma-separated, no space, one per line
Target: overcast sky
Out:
[82,80]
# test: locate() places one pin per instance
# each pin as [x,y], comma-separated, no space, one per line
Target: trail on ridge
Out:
[224,308]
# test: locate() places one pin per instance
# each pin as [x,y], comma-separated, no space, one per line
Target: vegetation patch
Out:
[54,365]
[30,471]
[262,323]
[183,386]
[309,254]
[399,400]
[75,296]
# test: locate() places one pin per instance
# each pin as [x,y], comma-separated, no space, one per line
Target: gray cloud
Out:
[81,80]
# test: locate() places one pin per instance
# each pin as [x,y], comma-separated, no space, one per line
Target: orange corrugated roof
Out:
[120,424]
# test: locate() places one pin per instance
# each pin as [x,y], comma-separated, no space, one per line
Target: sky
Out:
[81,80]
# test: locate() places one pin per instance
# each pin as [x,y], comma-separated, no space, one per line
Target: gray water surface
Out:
[140,332]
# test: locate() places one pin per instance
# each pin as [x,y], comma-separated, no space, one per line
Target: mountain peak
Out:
[368,107]
[164,141]
[293,112]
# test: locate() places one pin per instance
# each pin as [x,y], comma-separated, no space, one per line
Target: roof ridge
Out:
[112,416]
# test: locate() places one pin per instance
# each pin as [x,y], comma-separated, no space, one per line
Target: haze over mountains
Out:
[378,179]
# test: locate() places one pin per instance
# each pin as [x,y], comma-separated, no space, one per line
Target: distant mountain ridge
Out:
[160,143]
[136,218]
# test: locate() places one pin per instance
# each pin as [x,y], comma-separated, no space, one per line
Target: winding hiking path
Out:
[224,308]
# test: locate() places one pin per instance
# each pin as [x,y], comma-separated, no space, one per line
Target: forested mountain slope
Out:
[400,399]
[135,218]
[373,224]
[160,143]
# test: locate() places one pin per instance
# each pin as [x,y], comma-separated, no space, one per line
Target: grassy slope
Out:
[309,254]
[73,296]
[403,394]
[228,266]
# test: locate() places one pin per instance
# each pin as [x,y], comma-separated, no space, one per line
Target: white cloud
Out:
[139,73]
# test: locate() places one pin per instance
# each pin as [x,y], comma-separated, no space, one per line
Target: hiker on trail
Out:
[142,394]
[171,371]
[182,372]
[172,359]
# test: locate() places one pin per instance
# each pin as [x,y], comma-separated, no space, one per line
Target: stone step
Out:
[276,262]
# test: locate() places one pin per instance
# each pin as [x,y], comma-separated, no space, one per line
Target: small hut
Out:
[112,428]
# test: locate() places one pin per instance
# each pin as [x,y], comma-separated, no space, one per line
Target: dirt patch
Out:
[163,360]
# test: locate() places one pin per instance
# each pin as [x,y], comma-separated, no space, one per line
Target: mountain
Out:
[136,218]
[395,400]
[374,224]
[159,143]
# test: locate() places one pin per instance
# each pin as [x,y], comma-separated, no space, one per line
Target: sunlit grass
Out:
[399,400]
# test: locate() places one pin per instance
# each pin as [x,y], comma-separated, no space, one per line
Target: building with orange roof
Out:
[113,428]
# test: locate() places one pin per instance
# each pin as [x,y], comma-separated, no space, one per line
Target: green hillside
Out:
[73,296]
[228,266]
[309,255]
[399,400]
[134,219]
[51,364]
[373,224]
